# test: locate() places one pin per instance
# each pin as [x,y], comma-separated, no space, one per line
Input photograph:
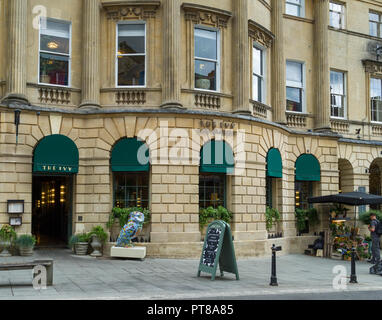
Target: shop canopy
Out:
[274,164]
[349,198]
[130,155]
[56,154]
[308,168]
[216,157]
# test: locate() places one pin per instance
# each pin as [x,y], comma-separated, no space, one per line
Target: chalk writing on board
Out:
[212,245]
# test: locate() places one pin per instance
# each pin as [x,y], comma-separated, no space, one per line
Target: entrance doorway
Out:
[52,209]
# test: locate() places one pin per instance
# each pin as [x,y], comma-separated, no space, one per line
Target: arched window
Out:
[216,160]
[130,167]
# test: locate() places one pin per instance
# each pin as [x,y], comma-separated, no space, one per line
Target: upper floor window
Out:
[258,87]
[54,64]
[376,99]
[131,54]
[336,15]
[337,94]
[206,59]
[294,86]
[375,24]
[295,7]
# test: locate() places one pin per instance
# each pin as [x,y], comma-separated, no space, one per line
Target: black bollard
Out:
[353,276]
[273,275]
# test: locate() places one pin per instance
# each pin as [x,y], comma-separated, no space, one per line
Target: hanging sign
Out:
[218,249]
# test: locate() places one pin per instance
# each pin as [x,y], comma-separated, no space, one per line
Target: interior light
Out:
[52,45]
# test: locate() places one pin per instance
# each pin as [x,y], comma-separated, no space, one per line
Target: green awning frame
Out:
[308,168]
[56,154]
[274,164]
[217,157]
[125,154]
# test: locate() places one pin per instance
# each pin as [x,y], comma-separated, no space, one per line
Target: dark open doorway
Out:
[52,209]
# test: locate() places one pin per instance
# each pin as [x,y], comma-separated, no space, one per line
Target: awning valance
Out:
[217,157]
[130,154]
[308,168]
[274,164]
[56,154]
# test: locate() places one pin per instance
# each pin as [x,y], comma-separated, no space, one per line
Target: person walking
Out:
[375,245]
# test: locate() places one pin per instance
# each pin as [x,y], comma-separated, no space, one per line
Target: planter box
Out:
[134,252]
[81,248]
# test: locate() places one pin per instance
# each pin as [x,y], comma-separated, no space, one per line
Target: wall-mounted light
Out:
[17,122]
[15,206]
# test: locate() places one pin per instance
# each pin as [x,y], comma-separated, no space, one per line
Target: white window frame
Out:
[371,118]
[379,24]
[344,95]
[301,6]
[42,21]
[129,54]
[293,84]
[263,76]
[217,61]
[341,13]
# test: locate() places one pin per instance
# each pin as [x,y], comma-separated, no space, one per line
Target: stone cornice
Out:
[260,34]
[210,16]
[136,9]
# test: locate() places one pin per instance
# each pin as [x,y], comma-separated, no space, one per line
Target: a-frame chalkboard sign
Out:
[218,249]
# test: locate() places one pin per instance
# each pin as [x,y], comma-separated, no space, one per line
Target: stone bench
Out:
[131,252]
[47,263]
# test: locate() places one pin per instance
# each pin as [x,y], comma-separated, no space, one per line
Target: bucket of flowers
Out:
[7,235]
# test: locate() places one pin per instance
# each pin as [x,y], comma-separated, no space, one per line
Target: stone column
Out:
[321,58]
[17,46]
[171,54]
[278,63]
[241,58]
[91,54]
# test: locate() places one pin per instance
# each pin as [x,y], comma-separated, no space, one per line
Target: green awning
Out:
[308,168]
[217,157]
[274,164]
[56,154]
[130,154]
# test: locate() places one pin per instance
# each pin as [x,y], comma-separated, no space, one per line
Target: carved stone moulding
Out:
[126,10]
[260,34]
[373,67]
[200,14]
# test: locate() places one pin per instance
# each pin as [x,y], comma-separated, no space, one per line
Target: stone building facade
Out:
[79,77]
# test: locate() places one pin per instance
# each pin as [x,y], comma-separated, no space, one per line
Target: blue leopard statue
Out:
[131,229]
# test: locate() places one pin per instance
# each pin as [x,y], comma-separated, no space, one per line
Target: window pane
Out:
[257,89]
[54,44]
[54,69]
[211,190]
[294,71]
[292,10]
[335,19]
[257,62]
[375,88]
[131,38]
[373,17]
[131,190]
[56,28]
[205,75]
[293,96]
[131,70]
[373,29]
[337,82]
[205,44]
[335,7]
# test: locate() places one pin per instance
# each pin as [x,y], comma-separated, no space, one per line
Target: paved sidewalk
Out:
[85,277]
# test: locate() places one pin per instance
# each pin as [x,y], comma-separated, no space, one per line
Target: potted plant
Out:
[82,245]
[72,242]
[7,236]
[272,215]
[209,214]
[26,244]
[98,238]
